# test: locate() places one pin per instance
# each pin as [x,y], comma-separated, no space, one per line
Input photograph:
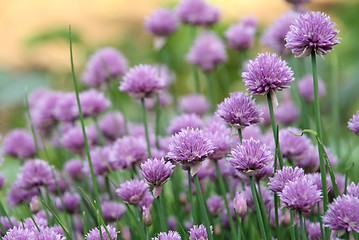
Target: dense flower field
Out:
[253,166]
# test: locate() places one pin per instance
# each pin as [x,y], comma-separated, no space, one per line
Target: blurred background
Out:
[34,50]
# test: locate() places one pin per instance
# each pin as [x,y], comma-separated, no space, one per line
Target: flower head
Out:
[240,204]
[93,103]
[215,205]
[162,22]
[312,32]
[73,139]
[194,103]
[66,108]
[306,88]
[217,130]
[112,210]
[94,234]
[240,110]
[293,147]
[112,125]
[313,230]
[132,191]
[170,235]
[282,177]
[19,234]
[207,51]
[353,190]
[250,157]
[19,143]
[74,168]
[241,36]
[36,173]
[353,123]
[198,232]
[142,81]
[184,121]
[267,72]
[197,12]
[100,161]
[286,113]
[343,214]
[104,64]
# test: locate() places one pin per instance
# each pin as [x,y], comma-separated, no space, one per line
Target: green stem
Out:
[210,91]
[196,80]
[144,114]
[202,204]
[223,191]
[258,209]
[240,135]
[135,216]
[190,196]
[302,227]
[274,129]
[108,186]
[292,231]
[161,215]
[158,125]
[240,228]
[32,126]
[101,138]
[276,205]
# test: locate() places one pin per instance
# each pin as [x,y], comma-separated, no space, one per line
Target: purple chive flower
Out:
[18,194]
[73,139]
[293,147]
[197,12]
[156,172]
[93,103]
[240,204]
[311,32]
[7,225]
[132,191]
[300,194]
[217,130]
[66,108]
[215,205]
[19,143]
[353,190]
[142,81]
[266,196]
[48,234]
[100,161]
[184,121]
[207,51]
[112,211]
[94,234]
[190,147]
[266,73]
[162,22]
[36,173]
[250,157]
[2,181]
[313,230]
[240,110]
[282,177]
[104,64]
[241,36]
[71,202]
[274,36]
[306,88]
[343,214]
[112,125]
[353,123]
[19,234]
[266,172]
[198,232]
[194,103]
[74,168]
[170,235]
[128,152]
[286,113]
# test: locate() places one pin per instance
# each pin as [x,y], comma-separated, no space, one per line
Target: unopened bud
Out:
[240,204]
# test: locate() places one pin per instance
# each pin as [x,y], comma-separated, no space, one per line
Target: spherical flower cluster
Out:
[112,210]
[70,201]
[207,52]
[197,12]
[171,235]
[353,190]
[74,168]
[215,205]
[19,233]
[184,121]
[132,191]
[313,230]
[241,36]
[162,22]
[112,125]
[100,161]
[312,32]
[19,143]
[250,157]
[300,194]
[240,110]
[353,123]
[190,147]
[18,194]
[343,214]
[282,177]
[104,64]
[36,173]
[266,73]
[198,232]
[217,130]
[306,88]
[94,234]
[73,139]
[293,147]
[194,103]
[66,108]
[93,103]
[286,113]
[142,81]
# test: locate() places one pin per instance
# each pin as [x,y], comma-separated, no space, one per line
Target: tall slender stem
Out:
[240,135]
[190,196]
[276,206]
[274,129]
[302,227]
[210,90]
[258,208]
[202,204]
[161,215]
[292,231]
[144,114]
[223,191]
[158,125]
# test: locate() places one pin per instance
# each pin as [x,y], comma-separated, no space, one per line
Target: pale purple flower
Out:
[142,81]
[339,180]
[36,173]
[18,194]
[194,103]
[217,130]
[100,161]
[198,232]
[112,210]
[300,194]
[240,110]
[293,147]
[184,121]
[306,88]
[65,109]
[127,152]
[93,103]
[240,204]
[282,177]
[215,205]
[112,125]
[266,172]
[250,157]
[267,197]
[74,168]
[353,190]
[197,12]
[343,214]
[73,139]
[268,72]
[313,230]
[162,22]
[147,200]
[170,235]
[312,32]
[190,147]
[287,113]
[274,36]
[94,234]
[353,123]
[252,131]
[47,233]
[132,191]
[19,233]
[172,223]
[104,64]
[207,51]
[7,224]
[241,36]
[70,201]
[19,143]
[310,161]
